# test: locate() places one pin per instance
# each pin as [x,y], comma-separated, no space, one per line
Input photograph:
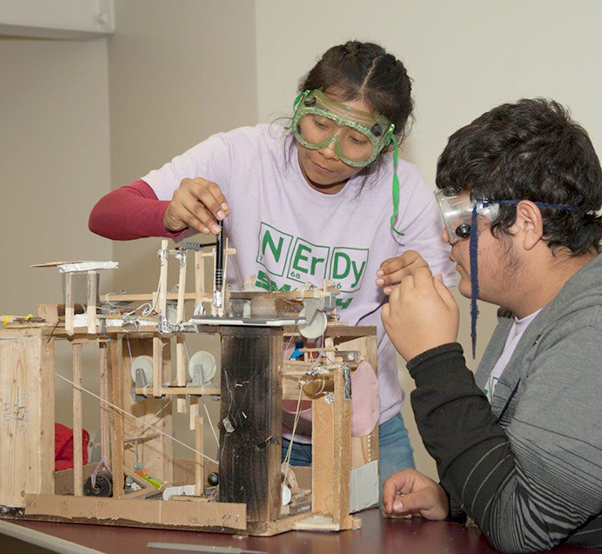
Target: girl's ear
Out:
[529,224]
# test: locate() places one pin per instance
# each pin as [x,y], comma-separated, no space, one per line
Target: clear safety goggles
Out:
[357,137]
[457,209]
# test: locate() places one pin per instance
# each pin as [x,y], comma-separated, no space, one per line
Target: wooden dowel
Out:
[199,278]
[78,471]
[198,467]
[181,370]
[69,305]
[117,420]
[162,300]
[157,365]
[104,409]
[92,294]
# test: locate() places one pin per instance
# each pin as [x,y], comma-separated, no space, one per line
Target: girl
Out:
[326,199]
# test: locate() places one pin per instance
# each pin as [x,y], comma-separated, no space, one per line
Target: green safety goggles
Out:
[357,137]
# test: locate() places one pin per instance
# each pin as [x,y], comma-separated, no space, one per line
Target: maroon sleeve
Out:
[130,212]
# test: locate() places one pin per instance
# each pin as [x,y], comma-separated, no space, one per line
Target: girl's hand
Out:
[393,270]
[197,203]
[410,492]
[421,314]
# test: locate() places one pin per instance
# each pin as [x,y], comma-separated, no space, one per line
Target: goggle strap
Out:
[395,184]
[474,281]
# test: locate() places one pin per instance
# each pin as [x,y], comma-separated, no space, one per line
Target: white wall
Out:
[465,56]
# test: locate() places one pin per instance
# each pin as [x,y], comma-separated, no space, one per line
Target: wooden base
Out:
[209,517]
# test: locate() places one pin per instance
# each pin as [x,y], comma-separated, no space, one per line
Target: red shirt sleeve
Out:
[130,212]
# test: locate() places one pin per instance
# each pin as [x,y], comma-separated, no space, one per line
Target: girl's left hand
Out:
[393,270]
[421,314]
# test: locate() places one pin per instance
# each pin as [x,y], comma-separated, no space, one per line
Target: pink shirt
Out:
[287,233]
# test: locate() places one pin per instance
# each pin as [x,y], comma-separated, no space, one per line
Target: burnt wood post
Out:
[251,419]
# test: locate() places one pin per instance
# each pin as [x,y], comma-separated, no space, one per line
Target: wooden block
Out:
[49,312]
[27,404]
[78,475]
[251,420]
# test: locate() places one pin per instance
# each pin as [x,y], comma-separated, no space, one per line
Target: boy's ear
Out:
[529,224]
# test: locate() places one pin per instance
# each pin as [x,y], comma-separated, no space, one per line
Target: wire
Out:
[78,387]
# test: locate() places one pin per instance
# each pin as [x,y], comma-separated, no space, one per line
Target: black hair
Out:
[365,71]
[530,150]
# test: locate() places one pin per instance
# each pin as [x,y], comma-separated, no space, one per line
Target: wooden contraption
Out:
[248,490]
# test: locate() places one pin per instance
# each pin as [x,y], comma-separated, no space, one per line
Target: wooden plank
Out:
[91,306]
[148,297]
[158,512]
[156,454]
[114,370]
[27,404]
[78,474]
[331,454]
[105,445]
[207,390]
[251,420]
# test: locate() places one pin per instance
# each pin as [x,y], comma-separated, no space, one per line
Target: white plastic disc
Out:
[205,362]
[286,495]
[145,363]
[314,328]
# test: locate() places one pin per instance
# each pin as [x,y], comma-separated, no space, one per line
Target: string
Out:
[290,444]
[78,387]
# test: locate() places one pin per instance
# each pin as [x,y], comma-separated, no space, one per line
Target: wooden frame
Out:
[136,425]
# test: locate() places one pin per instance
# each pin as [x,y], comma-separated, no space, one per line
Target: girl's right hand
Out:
[197,203]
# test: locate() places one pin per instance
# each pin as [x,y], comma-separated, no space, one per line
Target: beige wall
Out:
[465,56]
[54,164]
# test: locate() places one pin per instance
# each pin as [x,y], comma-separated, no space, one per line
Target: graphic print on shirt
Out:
[289,261]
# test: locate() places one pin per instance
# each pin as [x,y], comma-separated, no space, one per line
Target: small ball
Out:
[213,479]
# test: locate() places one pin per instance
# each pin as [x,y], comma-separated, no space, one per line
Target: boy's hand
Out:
[197,203]
[393,270]
[421,314]
[411,492]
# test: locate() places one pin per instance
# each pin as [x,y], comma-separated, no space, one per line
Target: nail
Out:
[380,273]
[225,207]
[215,229]
[398,506]
[387,290]
[380,282]
[221,215]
